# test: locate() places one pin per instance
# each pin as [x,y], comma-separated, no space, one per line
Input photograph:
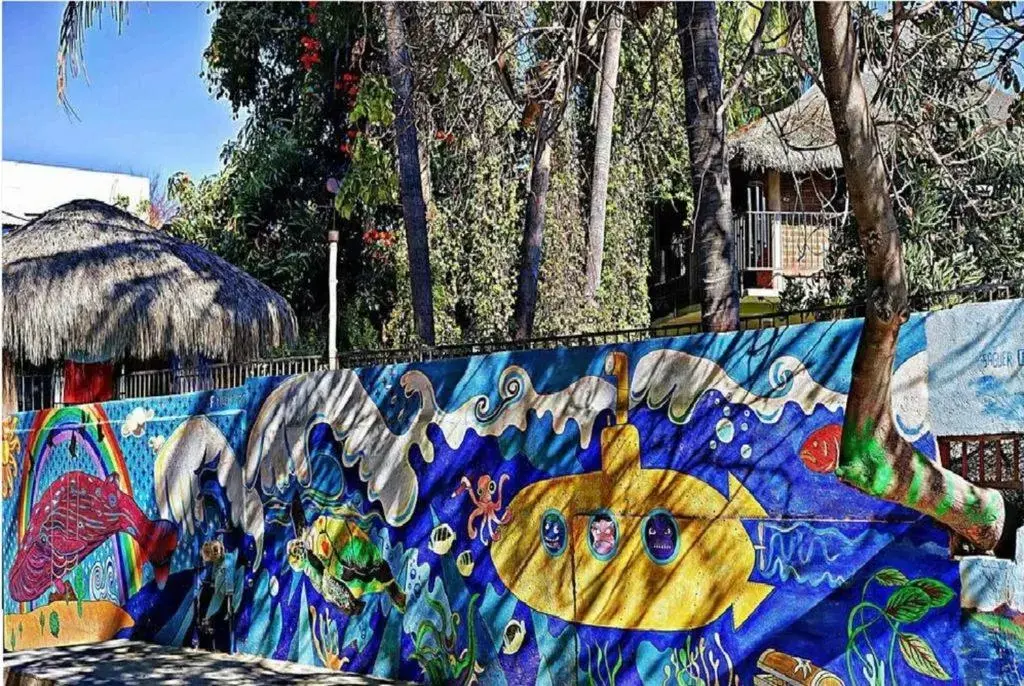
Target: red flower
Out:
[310,43]
[311,18]
[312,4]
[353,133]
[345,149]
[439,135]
[353,91]
[308,59]
[348,77]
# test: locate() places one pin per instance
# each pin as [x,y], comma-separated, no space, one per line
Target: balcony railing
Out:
[789,243]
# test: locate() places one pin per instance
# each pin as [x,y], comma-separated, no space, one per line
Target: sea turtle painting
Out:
[341,561]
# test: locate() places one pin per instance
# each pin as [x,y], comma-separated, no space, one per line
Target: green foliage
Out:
[54,624]
[956,160]
[910,601]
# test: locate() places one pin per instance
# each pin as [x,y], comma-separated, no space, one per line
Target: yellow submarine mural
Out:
[631,527]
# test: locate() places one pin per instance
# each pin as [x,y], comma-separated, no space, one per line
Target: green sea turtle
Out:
[342,562]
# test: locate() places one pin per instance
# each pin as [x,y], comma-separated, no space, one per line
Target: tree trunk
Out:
[705,133]
[608,80]
[533,231]
[874,458]
[414,209]
[10,388]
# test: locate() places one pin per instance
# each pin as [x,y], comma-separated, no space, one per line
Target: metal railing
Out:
[785,242]
[39,391]
[992,461]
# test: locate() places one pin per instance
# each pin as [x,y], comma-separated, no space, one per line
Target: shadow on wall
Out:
[664,510]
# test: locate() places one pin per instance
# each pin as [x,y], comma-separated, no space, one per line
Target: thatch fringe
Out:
[89,280]
[800,138]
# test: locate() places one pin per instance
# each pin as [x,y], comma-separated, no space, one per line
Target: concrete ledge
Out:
[135,662]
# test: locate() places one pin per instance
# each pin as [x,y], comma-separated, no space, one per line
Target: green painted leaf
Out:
[908,604]
[920,657]
[890,576]
[939,592]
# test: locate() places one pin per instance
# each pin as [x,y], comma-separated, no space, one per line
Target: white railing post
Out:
[776,250]
[332,299]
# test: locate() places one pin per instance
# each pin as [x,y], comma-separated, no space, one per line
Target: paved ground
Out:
[132,662]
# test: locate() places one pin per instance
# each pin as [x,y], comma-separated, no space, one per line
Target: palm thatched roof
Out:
[88,279]
[800,138]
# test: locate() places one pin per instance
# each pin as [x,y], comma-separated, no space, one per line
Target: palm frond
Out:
[78,18]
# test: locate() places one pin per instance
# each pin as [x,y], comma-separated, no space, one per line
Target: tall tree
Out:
[705,132]
[548,81]
[414,209]
[874,458]
[608,80]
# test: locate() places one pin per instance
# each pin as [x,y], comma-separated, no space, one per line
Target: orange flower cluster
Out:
[384,239]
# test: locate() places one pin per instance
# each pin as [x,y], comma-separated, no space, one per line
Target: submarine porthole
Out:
[553,533]
[660,536]
[603,535]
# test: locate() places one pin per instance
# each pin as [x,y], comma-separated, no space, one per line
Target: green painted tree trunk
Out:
[874,458]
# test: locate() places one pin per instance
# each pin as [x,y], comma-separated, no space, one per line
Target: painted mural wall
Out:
[661,512]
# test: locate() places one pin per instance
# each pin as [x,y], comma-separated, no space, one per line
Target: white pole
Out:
[332,294]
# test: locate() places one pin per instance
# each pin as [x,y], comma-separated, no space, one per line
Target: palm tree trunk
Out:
[874,458]
[602,153]
[533,232]
[414,209]
[705,133]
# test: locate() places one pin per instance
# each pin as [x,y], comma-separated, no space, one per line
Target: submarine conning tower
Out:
[620,442]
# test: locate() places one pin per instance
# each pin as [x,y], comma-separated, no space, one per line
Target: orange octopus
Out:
[485,505]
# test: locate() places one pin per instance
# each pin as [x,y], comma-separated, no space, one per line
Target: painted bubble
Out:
[713,445]
[725,430]
[274,586]
[746,452]
[726,411]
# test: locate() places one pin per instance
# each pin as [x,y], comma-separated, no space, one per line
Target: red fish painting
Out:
[820,451]
[73,517]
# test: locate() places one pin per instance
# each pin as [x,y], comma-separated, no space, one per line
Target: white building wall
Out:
[27,190]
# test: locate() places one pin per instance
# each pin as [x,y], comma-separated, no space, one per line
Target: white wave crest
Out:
[197,444]
[680,379]
[910,397]
[277,448]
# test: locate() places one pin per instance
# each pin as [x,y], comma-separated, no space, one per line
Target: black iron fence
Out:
[39,391]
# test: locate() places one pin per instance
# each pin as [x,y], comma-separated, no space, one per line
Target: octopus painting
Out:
[486,506]
[341,561]
[73,517]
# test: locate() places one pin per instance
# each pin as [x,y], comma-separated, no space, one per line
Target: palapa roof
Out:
[800,138]
[88,279]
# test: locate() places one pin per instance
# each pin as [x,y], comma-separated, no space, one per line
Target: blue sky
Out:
[144,108]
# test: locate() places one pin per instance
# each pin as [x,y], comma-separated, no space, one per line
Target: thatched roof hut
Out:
[800,138]
[88,279]
[796,139]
